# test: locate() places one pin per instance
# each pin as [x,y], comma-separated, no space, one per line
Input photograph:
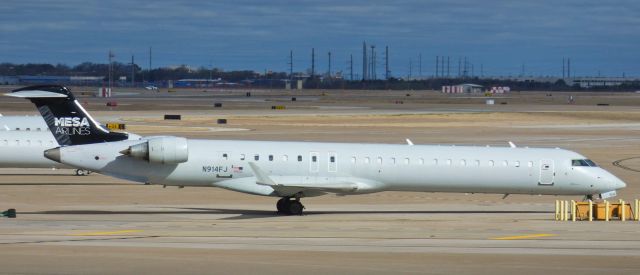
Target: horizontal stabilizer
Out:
[36,94]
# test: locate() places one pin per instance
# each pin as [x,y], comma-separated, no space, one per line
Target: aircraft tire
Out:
[282,205]
[80,172]
[295,208]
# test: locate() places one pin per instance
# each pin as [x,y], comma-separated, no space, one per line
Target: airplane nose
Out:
[619,184]
[53,154]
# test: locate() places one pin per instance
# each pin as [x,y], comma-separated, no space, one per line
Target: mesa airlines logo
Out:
[72,126]
[71,122]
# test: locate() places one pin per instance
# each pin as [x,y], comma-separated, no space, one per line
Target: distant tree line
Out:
[278,79]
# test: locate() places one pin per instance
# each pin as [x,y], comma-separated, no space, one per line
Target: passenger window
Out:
[256,157]
[28,129]
[299,158]
[242,156]
[314,159]
[270,157]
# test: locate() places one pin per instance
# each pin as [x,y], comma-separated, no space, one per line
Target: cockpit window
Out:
[591,163]
[583,162]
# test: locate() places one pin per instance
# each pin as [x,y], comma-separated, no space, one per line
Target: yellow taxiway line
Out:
[522,237]
[107,233]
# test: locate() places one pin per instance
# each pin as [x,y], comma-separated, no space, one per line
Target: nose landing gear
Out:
[289,206]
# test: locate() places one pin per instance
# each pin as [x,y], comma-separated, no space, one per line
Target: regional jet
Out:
[295,170]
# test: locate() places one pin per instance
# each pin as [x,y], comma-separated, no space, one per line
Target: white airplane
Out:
[23,139]
[293,170]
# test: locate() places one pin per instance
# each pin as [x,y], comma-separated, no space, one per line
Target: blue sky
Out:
[599,36]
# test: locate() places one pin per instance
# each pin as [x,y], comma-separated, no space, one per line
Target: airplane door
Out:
[547,172]
[223,169]
[333,162]
[314,162]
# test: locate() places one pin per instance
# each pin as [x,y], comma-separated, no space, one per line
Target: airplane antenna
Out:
[409,142]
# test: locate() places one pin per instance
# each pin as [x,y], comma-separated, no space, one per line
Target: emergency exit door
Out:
[547,172]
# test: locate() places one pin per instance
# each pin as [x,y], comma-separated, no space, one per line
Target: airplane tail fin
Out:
[69,123]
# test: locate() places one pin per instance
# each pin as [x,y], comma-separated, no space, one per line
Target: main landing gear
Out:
[289,206]
[81,172]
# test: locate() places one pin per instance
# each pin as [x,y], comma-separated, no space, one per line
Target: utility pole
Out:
[329,72]
[410,70]
[386,63]
[133,72]
[448,67]
[291,64]
[437,65]
[351,67]
[111,56]
[563,67]
[568,67]
[372,75]
[313,62]
[459,65]
[150,59]
[420,65]
[365,62]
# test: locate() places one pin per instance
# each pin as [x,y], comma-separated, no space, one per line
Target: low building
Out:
[463,88]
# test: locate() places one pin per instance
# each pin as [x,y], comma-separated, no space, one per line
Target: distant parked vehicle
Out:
[151,88]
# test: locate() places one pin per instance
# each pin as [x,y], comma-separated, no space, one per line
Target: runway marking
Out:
[107,233]
[522,237]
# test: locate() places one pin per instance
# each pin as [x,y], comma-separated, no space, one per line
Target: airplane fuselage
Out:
[367,167]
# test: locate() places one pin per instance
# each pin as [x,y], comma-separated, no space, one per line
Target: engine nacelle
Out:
[165,150]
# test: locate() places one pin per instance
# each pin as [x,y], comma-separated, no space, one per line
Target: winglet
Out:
[261,177]
[512,144]
[409,142]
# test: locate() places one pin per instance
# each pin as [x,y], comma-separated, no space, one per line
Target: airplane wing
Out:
[289,185]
